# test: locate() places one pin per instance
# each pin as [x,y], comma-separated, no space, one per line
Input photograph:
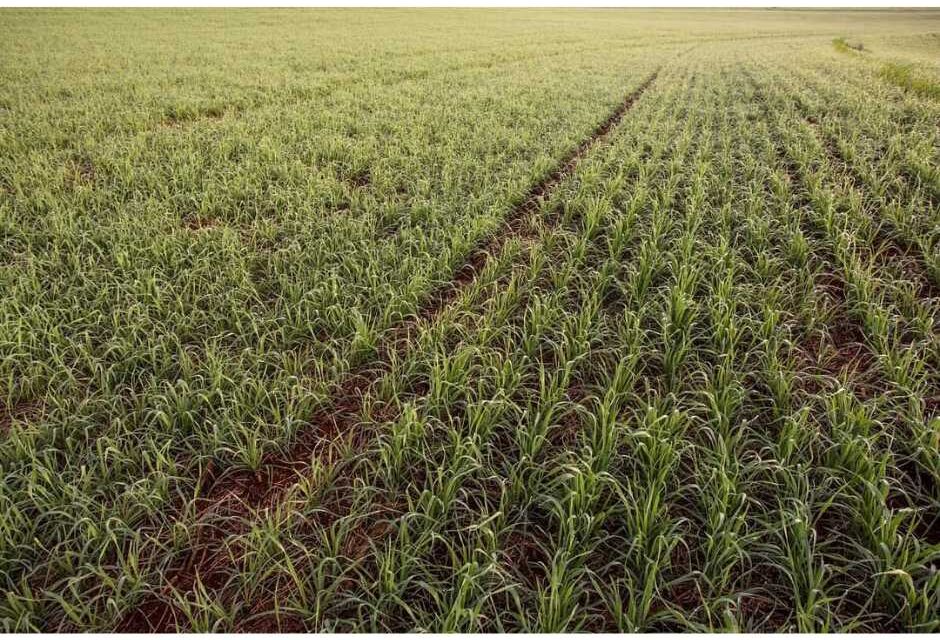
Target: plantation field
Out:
[469,320]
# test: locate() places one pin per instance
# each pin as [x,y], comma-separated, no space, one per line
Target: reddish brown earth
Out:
[20,411]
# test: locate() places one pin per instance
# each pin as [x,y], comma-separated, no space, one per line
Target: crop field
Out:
[469,320]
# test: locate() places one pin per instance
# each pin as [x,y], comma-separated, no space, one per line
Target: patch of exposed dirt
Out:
[199,223]
[268,622]
[361,179]
[176,118]
[80,170]
[527,558]
[21,411]
[839,350]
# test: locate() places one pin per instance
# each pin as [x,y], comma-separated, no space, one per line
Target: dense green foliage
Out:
[696,388]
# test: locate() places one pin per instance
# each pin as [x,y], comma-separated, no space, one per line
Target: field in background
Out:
[480,320]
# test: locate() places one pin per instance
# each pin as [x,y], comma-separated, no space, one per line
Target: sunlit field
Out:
[469,320]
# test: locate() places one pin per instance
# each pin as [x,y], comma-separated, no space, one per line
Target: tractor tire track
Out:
[238,494]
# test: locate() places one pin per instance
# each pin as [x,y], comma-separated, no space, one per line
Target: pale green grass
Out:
[698,392]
